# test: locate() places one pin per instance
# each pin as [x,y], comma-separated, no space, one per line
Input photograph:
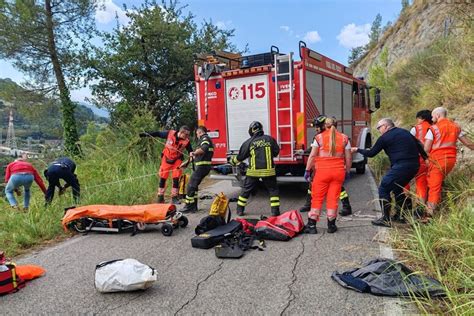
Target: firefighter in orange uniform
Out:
[331,160]
[441,146]
[171,159]
[420,130]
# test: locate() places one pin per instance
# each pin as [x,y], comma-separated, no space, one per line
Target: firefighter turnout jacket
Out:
[260,150]
[206,145]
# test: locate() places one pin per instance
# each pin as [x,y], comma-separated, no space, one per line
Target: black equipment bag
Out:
[234,245]
[214,236]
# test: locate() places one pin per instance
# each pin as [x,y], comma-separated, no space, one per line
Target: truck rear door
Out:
[246,101]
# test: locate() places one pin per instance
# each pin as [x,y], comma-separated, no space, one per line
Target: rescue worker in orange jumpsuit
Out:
[331,160]
[346,210]
[171,159]
[441,146]
[420,130]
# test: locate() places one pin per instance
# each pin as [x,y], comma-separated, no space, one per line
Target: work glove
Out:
[307,175]
[232,160]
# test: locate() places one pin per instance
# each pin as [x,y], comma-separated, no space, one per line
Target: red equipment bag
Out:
[9,280]
[282,227]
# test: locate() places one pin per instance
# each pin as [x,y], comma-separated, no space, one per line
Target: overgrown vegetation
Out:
[116,168]
[442,74]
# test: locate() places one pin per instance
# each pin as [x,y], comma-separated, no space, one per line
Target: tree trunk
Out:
[69,122]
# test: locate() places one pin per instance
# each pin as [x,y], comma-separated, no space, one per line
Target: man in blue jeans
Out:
[21,173]
[62,168]
[403,151]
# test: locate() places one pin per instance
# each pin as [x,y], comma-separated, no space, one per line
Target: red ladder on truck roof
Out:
[284,107]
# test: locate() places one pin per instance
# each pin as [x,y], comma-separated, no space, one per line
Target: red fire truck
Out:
[285,96]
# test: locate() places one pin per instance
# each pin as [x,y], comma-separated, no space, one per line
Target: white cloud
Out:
[353,35]
[312,37]
[107,10]
[285,28]
[223,25]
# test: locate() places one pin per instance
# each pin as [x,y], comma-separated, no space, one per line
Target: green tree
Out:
[375,31]
[405,5]
[148,63]
[42,39]
[355,55]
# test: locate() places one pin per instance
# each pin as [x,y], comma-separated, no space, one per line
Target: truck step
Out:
[284,126]
[284,109]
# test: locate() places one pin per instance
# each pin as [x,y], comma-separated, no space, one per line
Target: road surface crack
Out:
[292,296]
[196,291]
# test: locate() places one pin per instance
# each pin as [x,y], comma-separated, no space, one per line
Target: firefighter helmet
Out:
[319,121]
[255,128]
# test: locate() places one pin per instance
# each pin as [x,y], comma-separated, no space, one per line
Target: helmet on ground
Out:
[319,121]
[255,128]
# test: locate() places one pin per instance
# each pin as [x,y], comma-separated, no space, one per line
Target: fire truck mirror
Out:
[377,98]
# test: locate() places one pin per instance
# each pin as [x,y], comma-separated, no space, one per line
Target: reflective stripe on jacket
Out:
[445,135]
[260,150]
[205,143]
[174,146]
[325,159]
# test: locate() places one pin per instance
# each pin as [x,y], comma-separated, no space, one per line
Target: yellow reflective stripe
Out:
[205,142]
[252,159]
[201,163]
[239,203]
[261,173]
[14,277]
[210,149]
[275,198]
[275,204]
[343,195]
[300,128]
[268,155]
[243,199]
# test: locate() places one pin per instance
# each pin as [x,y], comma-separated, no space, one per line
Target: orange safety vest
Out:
[421,130]
[445,135]
[174,147]
[324,160]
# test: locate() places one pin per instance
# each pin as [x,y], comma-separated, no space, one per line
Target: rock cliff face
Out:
[416,28]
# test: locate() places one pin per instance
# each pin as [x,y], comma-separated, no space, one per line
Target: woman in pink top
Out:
[21,173]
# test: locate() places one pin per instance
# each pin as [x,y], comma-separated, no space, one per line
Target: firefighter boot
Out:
[403,206]
[240,210]
[275,211]
[160,198]
[307,204]
[332,228]
[346,207]
[385,219]
[190,207]
[310,228]
[175,200]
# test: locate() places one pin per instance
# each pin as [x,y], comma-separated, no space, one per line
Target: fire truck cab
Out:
[285,95]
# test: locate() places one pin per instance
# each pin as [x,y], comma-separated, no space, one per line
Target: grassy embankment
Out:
[443,74]
[117,168]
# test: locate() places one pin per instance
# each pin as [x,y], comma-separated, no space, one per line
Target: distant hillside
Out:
[36,116]
[416,29]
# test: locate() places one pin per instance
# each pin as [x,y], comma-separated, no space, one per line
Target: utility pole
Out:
[11,139]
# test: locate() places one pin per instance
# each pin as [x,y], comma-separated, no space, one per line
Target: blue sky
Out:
[329,27]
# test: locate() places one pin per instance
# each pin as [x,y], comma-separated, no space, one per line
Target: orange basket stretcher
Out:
[119,218]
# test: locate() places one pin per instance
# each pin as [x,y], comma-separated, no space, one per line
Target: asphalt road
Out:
[290,278]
